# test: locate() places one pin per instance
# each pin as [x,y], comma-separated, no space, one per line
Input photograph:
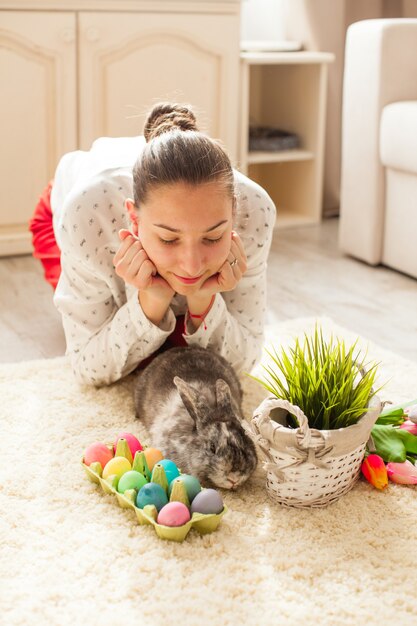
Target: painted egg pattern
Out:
[98,452]
[118,466]
[171,514]
[152,493]
[152,456]
[131,480]
[207,501]
[174,514]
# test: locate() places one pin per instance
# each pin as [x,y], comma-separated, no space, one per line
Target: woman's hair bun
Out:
[167,116]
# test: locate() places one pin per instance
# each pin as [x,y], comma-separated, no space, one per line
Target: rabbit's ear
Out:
[191,398]
[223,395]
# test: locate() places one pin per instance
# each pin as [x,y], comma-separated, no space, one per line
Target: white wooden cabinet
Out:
[38,120]
[128,62]
[73,71]
[287,91]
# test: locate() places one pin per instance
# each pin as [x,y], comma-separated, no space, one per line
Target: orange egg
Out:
[152,456]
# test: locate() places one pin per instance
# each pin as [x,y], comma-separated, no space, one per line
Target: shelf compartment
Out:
[287,218]
[287,58]
[258,156]
[286,91]
[292,187]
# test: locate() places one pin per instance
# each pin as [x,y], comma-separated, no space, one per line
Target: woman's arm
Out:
[234,326]
[107,332]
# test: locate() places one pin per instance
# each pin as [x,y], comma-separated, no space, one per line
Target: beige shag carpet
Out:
[70,556]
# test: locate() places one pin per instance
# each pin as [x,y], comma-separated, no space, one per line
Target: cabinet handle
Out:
[68,35]
[92,34]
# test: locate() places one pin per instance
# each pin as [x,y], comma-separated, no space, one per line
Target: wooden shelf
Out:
[286,218]
[258,156]
[286,90]
[285,58]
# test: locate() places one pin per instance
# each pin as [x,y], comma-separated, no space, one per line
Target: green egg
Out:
[191,484]
[131,480]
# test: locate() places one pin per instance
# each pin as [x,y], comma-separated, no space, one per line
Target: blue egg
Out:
[171,470]
[152,493]
[191,484]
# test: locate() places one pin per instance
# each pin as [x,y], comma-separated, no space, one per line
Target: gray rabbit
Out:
[190,400]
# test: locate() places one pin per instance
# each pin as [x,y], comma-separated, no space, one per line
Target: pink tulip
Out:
[374,470]
[411,412]
[402,473]
[409,426]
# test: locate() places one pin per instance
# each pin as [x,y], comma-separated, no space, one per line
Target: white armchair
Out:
[378,213]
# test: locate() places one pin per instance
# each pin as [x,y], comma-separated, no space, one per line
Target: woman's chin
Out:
[185,290]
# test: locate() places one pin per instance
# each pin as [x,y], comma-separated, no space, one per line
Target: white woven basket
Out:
[307,467]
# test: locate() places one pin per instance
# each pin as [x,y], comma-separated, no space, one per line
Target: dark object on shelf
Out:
[272,139]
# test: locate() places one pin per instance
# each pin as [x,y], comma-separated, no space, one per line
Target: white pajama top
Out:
[106,331]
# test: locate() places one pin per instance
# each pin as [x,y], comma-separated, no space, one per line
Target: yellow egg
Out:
[116,466]
[153,456]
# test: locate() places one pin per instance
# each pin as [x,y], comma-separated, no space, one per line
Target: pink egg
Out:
[132,441]
[173,514]
[98,452]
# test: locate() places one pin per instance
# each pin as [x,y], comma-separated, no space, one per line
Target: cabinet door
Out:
[130,61]
[38,121]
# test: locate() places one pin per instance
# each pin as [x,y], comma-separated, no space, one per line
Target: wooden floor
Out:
[307,276]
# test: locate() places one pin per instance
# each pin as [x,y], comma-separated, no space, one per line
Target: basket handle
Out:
[261,416]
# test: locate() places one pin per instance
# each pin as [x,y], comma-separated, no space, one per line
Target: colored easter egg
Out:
[132,441]
[131,480]
[98,452]
[191,484]
[171,470]
[207,501]
[152,456]
[173,514]
[118,466]
[151,493]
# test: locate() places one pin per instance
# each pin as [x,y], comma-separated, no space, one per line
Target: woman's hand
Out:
[230,272]
[226,278]
[134,266]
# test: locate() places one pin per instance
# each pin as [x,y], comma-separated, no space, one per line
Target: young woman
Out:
[159,242]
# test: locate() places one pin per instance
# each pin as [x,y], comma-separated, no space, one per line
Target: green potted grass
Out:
[313,429]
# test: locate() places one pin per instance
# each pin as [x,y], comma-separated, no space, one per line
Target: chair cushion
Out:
[398,136]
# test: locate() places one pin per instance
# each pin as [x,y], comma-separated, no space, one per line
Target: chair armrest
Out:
[380,68]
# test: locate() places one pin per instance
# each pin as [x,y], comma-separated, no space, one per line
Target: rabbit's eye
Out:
[213,448]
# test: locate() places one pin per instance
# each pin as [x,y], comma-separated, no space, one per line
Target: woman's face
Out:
[186,232]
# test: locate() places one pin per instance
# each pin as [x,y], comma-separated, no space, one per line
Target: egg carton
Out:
[203,523]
